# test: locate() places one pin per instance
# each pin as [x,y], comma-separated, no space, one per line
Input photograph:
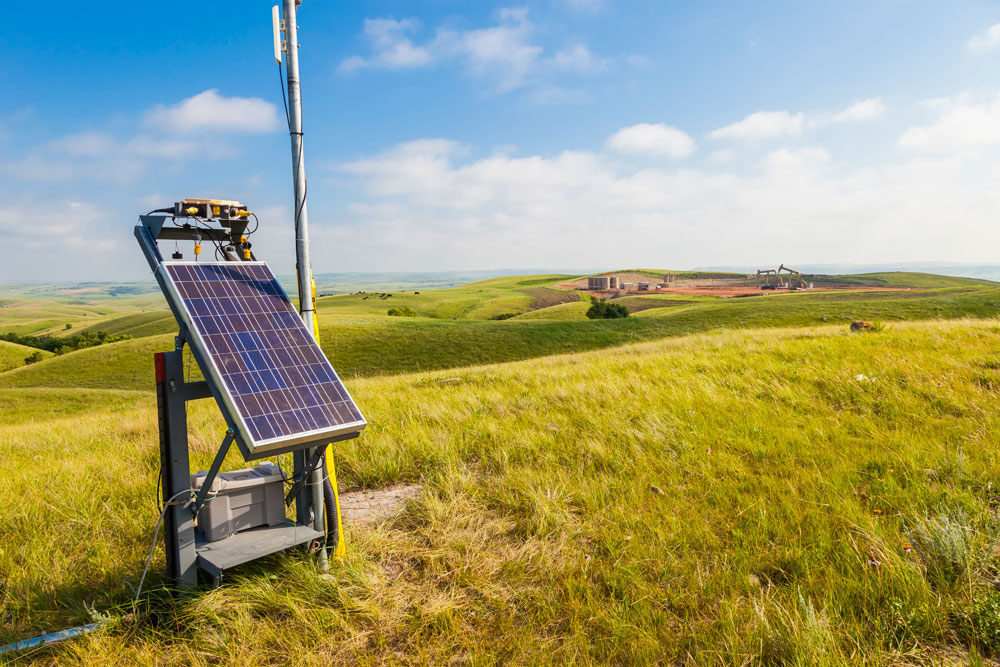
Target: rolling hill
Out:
[13,355]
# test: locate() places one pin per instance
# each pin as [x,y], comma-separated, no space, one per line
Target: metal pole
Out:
[304,268]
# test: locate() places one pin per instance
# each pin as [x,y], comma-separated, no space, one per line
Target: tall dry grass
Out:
[734,498]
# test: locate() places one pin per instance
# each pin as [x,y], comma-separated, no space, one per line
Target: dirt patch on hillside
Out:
[545,297]
[636,304]
[730,290]
[370,506]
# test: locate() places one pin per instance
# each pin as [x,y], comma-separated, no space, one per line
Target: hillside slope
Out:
[123,365]
[368,345]
[736,498]
[12,355]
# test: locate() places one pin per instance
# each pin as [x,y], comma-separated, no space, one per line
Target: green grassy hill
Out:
[124,365]
[913,279]
[563,311]
[12,355]
[138,325]
[361,342]
[745,497]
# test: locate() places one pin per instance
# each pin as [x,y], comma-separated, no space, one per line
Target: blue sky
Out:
[559,133]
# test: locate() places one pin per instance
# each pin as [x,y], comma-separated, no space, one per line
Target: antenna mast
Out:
[303,268]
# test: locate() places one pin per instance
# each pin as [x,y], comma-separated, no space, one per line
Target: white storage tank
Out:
[598,283]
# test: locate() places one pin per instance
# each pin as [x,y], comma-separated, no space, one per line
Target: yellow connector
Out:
[197,248]
[243,214]
[246,253]
[191,210]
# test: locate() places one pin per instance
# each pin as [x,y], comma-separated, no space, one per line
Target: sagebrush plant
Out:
[950,550]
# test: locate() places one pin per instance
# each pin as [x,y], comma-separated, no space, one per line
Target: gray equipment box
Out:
[246,499]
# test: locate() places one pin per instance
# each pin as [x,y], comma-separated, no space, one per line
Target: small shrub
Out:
[402,311]
[601,309]
[33,358]
[949,549]
[69,326]
[504,316]
[979,626]
[67,343]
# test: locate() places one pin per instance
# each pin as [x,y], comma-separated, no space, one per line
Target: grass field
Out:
[735,481]
[593,508]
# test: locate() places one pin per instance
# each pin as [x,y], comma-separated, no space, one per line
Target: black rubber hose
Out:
[330,507]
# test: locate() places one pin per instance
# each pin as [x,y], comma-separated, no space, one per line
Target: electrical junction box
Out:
[246,499]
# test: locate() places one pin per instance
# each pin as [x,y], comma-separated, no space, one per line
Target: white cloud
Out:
[209,111]
[32,221]
[551,95]
[578,58]
[502,52]
[507,210]
[762,125]
[869,109]
[58,240]
[505,54]
[393,49]
[795,160]
[962,126]
[653,140]
[84,144]
[985,41]
[722,156]
[100,156]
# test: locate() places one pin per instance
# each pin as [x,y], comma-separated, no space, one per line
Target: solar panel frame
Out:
[255,445]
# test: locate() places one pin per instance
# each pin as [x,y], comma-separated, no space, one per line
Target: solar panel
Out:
[276,382]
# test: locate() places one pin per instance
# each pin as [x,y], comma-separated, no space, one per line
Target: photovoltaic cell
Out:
[276,378]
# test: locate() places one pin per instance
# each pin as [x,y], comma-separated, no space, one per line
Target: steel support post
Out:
[178,537]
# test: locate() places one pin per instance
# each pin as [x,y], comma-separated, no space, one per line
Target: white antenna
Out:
[276,25]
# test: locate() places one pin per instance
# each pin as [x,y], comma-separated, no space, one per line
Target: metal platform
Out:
[216,557]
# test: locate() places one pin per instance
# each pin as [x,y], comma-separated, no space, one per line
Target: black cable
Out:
[161,210]
[217,244]
[305,183]
[330,505]
[256,225]
[284,98]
